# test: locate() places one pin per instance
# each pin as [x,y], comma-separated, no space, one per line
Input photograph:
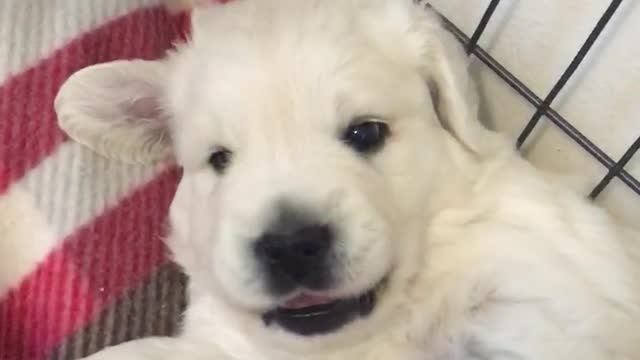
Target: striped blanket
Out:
[82,264]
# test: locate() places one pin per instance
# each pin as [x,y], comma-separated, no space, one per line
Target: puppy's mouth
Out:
[309,314]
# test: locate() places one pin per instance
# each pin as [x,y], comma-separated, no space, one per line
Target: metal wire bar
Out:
[473,42]
[615,169]
[536,101]
[584,49]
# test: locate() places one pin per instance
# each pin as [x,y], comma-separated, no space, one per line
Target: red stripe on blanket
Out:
[127,244]
[28,130]
[40,312]
[94,267]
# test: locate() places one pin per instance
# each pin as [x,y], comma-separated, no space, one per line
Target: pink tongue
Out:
[306,300]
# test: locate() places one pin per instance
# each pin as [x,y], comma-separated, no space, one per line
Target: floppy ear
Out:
[116,110]
[453,92]
[421,41]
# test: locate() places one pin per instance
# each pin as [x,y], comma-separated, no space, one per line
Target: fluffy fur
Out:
[487,257]
[536,40]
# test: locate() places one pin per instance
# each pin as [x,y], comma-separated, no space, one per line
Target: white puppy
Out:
[340,200]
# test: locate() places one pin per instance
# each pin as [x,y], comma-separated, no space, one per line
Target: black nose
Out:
[298,257]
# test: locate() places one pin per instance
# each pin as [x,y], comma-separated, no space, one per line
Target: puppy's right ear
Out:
[420,41]
[115,109]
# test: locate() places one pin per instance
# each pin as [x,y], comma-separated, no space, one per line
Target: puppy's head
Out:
[315,136]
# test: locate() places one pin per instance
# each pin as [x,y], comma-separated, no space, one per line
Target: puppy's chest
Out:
[411,346]
[417,352]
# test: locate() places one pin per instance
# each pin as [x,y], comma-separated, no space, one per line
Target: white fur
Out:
[488,257]
[536,40]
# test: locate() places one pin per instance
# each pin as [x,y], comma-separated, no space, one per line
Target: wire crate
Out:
[543,106]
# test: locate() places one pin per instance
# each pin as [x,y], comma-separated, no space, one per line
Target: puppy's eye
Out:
[220,159]
[366,136]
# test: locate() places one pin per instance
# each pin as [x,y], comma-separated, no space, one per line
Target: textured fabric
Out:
[82,263]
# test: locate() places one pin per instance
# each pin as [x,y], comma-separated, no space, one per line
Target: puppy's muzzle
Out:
[298,259]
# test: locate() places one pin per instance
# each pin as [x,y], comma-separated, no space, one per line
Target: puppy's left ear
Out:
[424,44]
